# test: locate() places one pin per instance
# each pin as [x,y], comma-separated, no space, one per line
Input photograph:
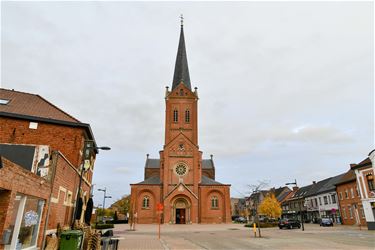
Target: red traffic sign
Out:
[159,207]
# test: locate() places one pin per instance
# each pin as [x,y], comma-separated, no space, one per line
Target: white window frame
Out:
[18,223]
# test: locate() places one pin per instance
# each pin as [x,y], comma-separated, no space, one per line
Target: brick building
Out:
[45,144]
[180,179]
[365,178]
[351,209]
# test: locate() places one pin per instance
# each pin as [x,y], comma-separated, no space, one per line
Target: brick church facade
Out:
[180,179]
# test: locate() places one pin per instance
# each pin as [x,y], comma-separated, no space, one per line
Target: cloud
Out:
[278,86]
[320,135]
[122,170]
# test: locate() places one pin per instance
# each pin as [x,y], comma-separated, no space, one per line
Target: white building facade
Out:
[365,178]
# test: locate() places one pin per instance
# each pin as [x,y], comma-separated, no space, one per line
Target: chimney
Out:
[314,182]
[211,156]
[147,156]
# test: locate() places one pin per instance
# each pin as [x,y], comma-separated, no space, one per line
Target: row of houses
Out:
[348,198]
[43,153]
[246,207]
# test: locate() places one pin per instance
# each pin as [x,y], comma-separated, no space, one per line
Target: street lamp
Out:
[88,147]
[299,203]
[105,197]
[97,213]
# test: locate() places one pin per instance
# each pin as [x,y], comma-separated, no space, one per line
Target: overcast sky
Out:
[286,89]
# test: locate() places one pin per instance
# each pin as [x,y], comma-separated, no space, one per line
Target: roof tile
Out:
[27,104]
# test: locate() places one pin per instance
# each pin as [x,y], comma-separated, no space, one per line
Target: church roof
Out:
[181,69]
[207,164]
[153,180]
[152,163]
[155,163]
[208,181]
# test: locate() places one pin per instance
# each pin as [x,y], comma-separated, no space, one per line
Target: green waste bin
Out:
[71,240]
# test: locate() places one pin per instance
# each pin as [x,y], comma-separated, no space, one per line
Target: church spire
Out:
[181,70]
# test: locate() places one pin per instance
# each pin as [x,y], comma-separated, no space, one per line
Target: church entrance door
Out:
[180,216]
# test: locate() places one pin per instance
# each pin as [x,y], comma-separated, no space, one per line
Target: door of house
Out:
[180,216]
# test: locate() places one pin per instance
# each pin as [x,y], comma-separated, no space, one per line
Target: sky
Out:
[286,88]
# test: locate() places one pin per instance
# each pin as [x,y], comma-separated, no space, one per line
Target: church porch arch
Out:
[181,210]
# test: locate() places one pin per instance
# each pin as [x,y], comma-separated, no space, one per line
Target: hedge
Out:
[263,224]
[104,226]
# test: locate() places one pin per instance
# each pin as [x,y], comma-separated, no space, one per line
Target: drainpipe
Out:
[54,164]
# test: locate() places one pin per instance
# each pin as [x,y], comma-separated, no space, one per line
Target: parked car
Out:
[240,219]
[326,222]
[234,217]
[289,223]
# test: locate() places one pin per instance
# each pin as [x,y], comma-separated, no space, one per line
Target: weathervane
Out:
[182,20]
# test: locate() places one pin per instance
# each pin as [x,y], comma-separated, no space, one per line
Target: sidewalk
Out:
[236,236]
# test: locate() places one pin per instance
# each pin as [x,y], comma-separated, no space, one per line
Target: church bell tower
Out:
[181,157]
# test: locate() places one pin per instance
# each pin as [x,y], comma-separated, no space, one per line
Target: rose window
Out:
[181,169]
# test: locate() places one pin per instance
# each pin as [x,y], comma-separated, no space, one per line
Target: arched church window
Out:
[146,202]
[175,115]
[214,202]
[187,116]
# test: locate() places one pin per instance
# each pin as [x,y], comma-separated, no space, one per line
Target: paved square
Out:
[236,236]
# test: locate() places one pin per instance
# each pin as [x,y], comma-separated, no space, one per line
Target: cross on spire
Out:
[182,20]
[181,70]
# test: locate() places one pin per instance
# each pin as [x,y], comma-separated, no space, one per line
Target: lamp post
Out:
[97,213]
[88,147]
[105,197]
[299,203]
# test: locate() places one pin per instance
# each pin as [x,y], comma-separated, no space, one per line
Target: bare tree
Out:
[255,191]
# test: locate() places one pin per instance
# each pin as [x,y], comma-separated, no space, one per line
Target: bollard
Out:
[255,230]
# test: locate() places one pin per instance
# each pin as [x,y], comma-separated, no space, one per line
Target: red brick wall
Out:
[66,178]
[194,200]
[345,203]
[68,140]
[151,172]
[148,215]
[215,215]
[15,179]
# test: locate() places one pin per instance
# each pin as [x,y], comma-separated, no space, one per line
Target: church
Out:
[180,182]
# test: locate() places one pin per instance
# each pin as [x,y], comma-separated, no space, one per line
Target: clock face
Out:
[181,169]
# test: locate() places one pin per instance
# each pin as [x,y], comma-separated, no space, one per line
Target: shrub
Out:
[263,224]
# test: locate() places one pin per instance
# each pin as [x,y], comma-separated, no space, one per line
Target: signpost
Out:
[159,209]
